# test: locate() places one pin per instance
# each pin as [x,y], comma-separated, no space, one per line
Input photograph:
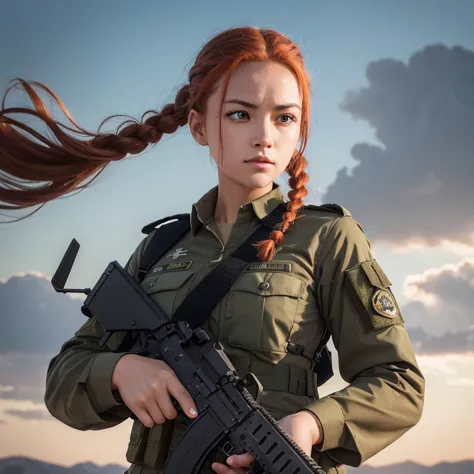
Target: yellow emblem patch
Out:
[384,304]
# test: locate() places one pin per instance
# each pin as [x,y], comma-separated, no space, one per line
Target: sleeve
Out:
[385,393]
[78,381]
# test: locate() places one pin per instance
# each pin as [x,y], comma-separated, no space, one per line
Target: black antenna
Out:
[64,269]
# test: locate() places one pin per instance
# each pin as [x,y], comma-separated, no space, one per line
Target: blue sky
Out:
[116,57]
[105,58]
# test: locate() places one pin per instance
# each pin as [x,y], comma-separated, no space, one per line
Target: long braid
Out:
[70,163]
[134,138]
[297,181]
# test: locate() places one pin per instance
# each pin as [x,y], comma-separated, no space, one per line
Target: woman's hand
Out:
[146,387]
[303,427]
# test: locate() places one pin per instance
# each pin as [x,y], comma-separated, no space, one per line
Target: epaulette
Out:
[151,226]
[330,207]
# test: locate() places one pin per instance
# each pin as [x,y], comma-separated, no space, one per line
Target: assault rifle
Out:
[229,416]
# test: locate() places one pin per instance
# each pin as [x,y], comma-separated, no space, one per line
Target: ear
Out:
[197,127]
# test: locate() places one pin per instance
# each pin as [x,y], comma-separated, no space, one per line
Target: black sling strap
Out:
[198,304]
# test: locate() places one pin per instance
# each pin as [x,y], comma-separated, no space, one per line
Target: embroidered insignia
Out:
[384,304]
[177,266]
[272,266]
[172,267]
[178,253]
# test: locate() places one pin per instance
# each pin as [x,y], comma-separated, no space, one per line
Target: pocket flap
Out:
[269,284]
[168,281]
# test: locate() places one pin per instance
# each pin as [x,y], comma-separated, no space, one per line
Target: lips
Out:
[260,159]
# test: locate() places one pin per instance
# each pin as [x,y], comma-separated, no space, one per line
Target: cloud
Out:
[416,185]
[23,376]
[453,369]
[35,322]
[34,317]
[439,318]
[29,414]
[448,343]
[442,299]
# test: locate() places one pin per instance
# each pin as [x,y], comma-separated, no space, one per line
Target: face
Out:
[261,117]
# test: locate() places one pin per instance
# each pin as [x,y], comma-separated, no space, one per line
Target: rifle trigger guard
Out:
[252,384]
[228,448]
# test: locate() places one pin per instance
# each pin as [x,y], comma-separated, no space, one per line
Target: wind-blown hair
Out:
[70,163]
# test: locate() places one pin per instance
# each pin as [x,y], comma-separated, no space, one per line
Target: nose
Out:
[262,135]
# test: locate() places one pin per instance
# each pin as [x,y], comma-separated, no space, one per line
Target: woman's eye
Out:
[240,114]
[290,118]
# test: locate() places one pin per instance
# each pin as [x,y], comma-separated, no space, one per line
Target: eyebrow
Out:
[253,106]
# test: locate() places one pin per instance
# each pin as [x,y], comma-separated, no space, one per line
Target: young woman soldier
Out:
[248,100]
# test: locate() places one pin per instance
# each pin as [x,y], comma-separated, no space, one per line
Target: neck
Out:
[231,196]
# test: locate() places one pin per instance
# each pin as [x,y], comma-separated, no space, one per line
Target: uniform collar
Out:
[203,210]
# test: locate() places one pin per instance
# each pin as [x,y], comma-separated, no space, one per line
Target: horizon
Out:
[112,464]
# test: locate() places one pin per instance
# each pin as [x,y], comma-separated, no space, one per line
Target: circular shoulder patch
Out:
[384,304]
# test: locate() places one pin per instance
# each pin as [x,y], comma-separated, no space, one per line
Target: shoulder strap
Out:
[162,240]
[330,207]
[198,304]
[149,227]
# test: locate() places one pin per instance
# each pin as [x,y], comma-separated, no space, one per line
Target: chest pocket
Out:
[261,310]
[168,289]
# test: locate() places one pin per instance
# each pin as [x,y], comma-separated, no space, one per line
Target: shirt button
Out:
[152,284]
[265,285]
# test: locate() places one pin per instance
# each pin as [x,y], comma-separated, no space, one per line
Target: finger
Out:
[179,392]
[155,411]
[220,468]
[223,469]
[240,460]
[144,417]
[165,404]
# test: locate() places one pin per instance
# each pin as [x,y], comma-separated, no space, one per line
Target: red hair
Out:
[70,164]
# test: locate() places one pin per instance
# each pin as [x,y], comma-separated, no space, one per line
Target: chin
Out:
[258,181]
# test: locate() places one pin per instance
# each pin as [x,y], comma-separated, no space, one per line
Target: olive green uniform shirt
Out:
[323,276]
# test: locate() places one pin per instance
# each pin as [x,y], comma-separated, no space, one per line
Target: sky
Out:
[391,140]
